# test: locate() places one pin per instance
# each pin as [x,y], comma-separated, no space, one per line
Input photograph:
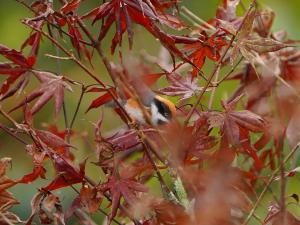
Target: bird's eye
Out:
[162,108]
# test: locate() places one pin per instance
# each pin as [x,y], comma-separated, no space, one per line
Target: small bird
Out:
[161,110]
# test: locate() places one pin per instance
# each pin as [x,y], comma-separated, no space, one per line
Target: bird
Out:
[161,110]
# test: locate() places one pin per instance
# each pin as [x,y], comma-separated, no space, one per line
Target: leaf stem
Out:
[219,63]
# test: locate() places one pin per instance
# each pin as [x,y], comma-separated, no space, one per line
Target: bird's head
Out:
[162,110]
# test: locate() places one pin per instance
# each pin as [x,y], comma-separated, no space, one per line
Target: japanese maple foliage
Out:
[212,164]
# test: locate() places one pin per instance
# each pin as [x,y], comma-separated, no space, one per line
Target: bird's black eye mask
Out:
[163,109]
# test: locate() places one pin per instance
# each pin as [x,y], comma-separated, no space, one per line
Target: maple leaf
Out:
[201,50]
[125,12]
[125,188]
[52,140]
[48,208]
[252,47]
[198,138]
[34,40]
[124,140]
[235,127]
[103,99]
[56,140]
[16,57]
[76,38]
[51,86]
[7,200]
[89,199]
[231,121]
[18,66]
[67,173]
[186,87]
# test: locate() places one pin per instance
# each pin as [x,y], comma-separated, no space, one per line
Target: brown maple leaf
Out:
[7,200]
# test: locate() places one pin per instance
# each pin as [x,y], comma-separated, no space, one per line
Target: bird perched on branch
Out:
[133,94]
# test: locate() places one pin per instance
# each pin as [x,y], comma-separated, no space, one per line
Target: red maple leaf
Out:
[18,66]
[38,169]
[76,38]
[34,40]
[70,6]
[67,173]
[199,51]
[235,127]
[125,188]
[125,12]
[51,86]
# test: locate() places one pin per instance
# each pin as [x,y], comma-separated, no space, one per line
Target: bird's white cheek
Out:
[156,116]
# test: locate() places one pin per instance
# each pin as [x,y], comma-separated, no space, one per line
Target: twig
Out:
[160,177]
[58,68]
[271,179]
[219,63]
[55,42]
[58,57]
[81,65]
[51,23]
[77,107]
[192,15]
[279,148]
[230,72]
[12,134]
[213,92]
[8,117]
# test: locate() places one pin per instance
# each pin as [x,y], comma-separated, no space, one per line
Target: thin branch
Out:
[13,134]
[55,42]
[213,92]
[192,15]
[58,71]
[82,66]
[230,72]
[22,2]
[8,117]
[219,63]
[270,181]
[83,88]
[77,107]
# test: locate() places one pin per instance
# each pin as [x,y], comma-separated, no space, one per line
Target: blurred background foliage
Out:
[13,33]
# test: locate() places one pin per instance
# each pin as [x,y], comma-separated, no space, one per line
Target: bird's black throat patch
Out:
[163,109]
